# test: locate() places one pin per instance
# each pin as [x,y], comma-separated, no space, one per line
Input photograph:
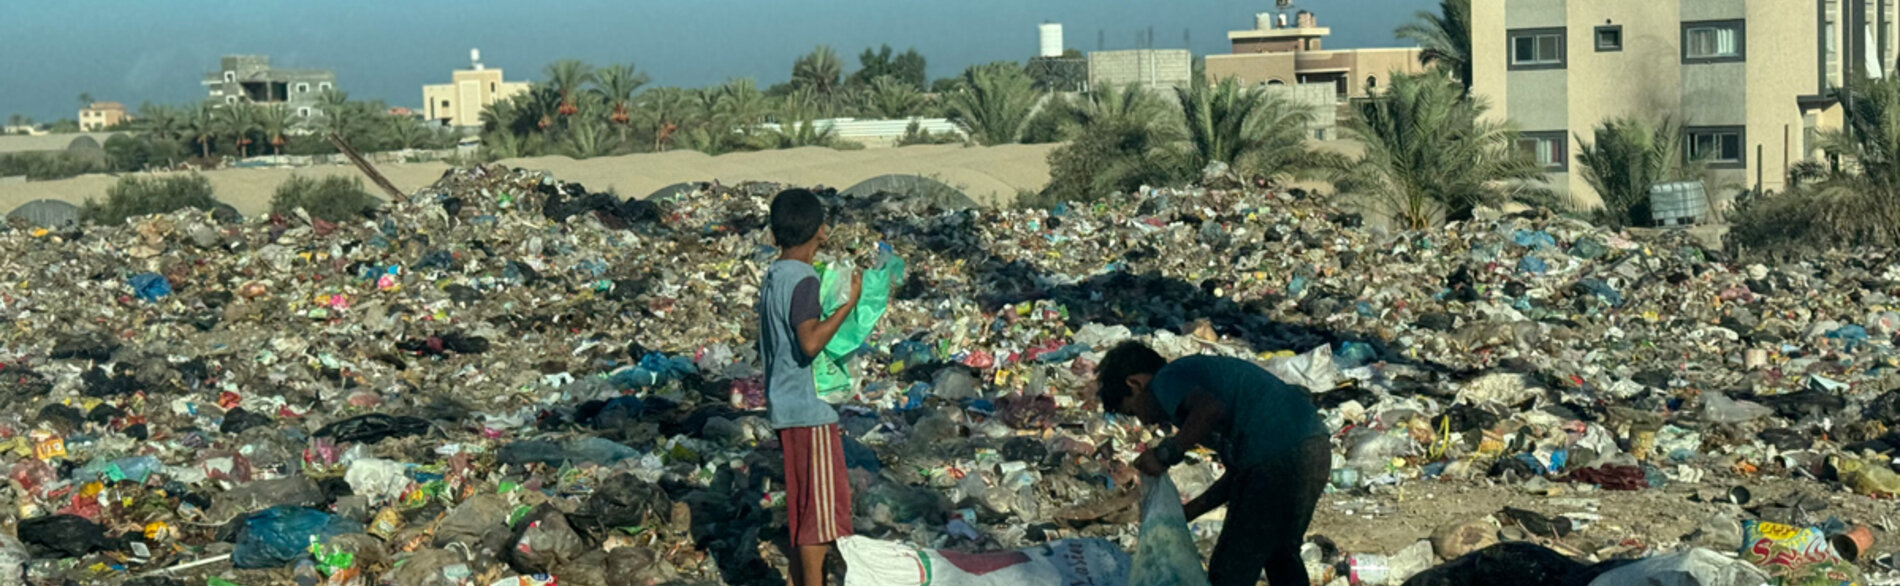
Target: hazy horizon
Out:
[157,51]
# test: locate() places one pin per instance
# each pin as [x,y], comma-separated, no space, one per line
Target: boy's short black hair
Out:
[1124,360]
[796,217]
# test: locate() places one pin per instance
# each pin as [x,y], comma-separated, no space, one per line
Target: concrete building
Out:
[1154,69]
[250,78]
[101,115]
[1282,51]
[460,102]
[1751,80]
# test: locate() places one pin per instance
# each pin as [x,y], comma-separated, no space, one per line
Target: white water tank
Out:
[1263,21]
[1051,37]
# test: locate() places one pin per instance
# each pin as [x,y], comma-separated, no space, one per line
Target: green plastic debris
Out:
[828,369]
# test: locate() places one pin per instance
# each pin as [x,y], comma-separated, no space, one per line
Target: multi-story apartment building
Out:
[1279,51]
[1753,81]
[250,78]
[460,102]
[101,115]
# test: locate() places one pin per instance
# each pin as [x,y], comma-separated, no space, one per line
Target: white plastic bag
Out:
[1068,562]
[1165,554]
[1696,567]
[1313,370]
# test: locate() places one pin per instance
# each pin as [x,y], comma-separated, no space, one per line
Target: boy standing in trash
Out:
[1266,432]
[791,333]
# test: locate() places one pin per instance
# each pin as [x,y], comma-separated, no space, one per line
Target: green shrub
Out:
[139,196]
[45,166]
[332,198]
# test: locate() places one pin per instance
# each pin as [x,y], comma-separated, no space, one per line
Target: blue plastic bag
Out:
[150,286]
[279,536]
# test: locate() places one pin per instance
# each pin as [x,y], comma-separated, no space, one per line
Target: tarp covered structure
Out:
[46,213]
[918,186]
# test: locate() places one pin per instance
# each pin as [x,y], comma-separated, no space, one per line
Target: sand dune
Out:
[988,174]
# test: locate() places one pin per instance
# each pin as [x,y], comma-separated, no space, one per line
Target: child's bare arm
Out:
[814,334]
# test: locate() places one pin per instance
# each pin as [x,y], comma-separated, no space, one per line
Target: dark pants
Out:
[1268,509]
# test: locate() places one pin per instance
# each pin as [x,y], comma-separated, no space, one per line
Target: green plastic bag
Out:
[829,368]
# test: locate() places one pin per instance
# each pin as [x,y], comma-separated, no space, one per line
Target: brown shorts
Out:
[817,493]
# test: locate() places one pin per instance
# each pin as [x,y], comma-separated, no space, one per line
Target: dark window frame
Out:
[1741,40]
[1561,137]
[1741,145]
[1510,48]
[1596,38]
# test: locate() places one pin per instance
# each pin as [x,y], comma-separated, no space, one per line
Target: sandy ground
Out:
[1655,519]
[988,174]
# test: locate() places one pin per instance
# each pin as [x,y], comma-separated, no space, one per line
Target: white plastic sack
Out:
[1718,408]
[1165,554]
[1068,562]
[1695,567]
[380,480]
[1313,370]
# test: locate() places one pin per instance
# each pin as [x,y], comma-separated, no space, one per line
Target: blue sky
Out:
[135,51]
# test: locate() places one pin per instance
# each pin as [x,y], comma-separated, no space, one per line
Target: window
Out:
[1609,38]
[230,99]
[1713,41]
[303,88]
[492,87]
[323,86]
[1550,149]
[445,103]
[304,112]
[230,76]
[1275,82]
[1537,48]
[1720,146]
[1372,83]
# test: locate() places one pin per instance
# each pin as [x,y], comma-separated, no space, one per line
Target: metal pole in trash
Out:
[364,166]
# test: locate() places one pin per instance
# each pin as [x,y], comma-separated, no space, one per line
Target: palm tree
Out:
[662,111]
[406,132]
[16,119]
[160,121]
[616,85]
[1627,157]
[587,138]
[274,120]
[818,70]
[201,127]
[1445,38]
[1253,131]
[739,105]
[85,99]
[1126,138]
[238,121]
[1429,155]
[993,103]
[567,76]
[887,98]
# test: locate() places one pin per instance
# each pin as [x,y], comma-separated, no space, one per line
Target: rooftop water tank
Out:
[1051,37]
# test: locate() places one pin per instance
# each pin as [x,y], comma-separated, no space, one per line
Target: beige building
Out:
[101,115]
[1751,80]
[1152,69]
[460,102]
[1282,51]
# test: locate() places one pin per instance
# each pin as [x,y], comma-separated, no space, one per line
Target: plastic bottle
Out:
[1368,568]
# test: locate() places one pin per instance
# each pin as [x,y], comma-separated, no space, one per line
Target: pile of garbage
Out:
[510,379]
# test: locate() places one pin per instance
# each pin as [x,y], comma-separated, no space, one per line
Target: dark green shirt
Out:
[1266,418]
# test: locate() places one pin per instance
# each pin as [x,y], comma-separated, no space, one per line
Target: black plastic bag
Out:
[374,427]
